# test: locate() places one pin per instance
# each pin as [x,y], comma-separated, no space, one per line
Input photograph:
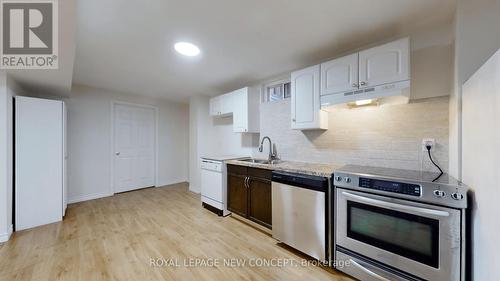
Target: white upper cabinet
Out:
[240,115]
[306,107]
[246,114]
[385,64]
[227,104]
[243,105]
[221,105]
[388,63]
[215,106]
[339,75]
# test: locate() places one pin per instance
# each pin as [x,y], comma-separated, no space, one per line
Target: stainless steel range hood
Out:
[393,93]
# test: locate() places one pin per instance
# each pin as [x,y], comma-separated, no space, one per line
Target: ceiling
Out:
[127,45]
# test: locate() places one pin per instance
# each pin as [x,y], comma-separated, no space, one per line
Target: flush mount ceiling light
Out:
[187,49]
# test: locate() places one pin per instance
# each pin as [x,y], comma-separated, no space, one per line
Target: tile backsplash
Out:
[386,136]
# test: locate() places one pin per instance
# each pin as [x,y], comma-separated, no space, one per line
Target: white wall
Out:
[432,62]
[198,138]
[211,137]
[89,123]
[474,137]
[481,164]
[475,23]
[6,169]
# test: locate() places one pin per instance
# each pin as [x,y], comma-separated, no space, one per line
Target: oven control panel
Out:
[391,186]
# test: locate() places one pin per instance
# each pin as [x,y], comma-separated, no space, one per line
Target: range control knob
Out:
[337,178]
[457,196]
[347,179]
[439,193]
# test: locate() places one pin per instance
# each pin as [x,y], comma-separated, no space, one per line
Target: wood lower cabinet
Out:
[249,193]
[259,205]
[237,194]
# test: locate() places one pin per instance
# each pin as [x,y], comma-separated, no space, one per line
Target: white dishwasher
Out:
[214,183]
[299,205]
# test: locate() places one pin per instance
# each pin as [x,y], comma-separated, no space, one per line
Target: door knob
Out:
[117,153]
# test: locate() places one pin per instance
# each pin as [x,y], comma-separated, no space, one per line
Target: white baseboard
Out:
[88,197]
[194,189]
[164,184]
[6,236]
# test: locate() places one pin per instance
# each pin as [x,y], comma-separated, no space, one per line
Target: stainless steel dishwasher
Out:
[299,206]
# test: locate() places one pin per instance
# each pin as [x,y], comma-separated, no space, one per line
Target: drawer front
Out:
[260,173]
[238,170]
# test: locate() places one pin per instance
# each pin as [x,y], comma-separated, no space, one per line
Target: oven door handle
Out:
[400,207]
[367,271]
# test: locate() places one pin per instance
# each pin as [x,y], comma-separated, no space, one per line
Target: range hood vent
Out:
[398,92]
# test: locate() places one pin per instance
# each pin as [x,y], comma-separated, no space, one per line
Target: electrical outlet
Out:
[426,142]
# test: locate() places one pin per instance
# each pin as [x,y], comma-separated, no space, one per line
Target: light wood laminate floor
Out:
[114,238]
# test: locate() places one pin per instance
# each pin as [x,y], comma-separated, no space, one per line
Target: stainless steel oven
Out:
[405,228]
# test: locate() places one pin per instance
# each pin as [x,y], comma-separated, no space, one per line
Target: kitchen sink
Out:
[261,161]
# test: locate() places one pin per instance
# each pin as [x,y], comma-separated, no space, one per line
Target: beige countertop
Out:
[323,170]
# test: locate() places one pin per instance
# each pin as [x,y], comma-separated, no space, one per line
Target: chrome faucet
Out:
[272,149]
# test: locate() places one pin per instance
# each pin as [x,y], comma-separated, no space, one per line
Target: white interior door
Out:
[38,165]
[134,147]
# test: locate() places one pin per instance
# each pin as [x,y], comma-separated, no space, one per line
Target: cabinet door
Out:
[306,108]
[339,75]
[237,194]
[240,115]
[385,64]
[215,106]
[227,103]
[260,206]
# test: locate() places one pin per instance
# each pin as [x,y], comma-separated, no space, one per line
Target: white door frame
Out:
[112,141]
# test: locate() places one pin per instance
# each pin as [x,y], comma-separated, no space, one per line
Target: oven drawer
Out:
[362,269]
[419,239]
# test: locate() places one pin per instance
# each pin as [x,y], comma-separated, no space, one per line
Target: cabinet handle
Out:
[245,183]
[354,85]
[248,182]
[363,83]
[293,120]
